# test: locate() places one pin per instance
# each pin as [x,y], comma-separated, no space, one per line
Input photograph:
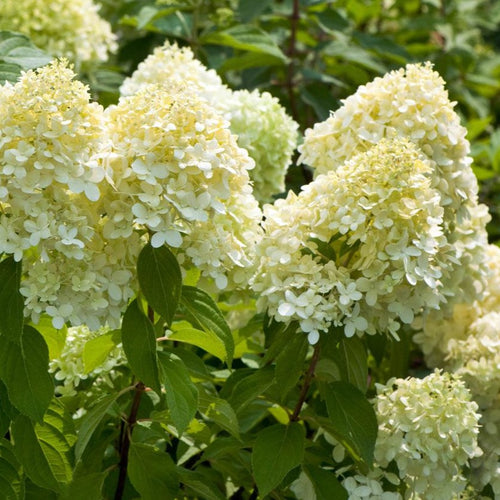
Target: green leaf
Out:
[11,300]
[24,371]
[201,310]
[91,421]
[10,473]
[245,37]
[182,394]
[17,51]
[160,280]
[325,483]
[353,419]
[352,362]
[54,338]
[250,388]
[139,344]
[277,450]
[220,412]
[249,9]
[152,472]
[85,487]
[249,60]
[200,485]
[96,350]
[206,340]
[290,361]
[44,450]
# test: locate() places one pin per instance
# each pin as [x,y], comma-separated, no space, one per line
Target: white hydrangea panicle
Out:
[261,124]
[69,368]
[361,247]
[413,103]
[371,487]
[436,330]
[270,136]
[48,180]
[64,28]
[429,428]
[410,102]
[181,177]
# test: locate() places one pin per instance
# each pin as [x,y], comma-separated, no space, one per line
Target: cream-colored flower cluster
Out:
[429,427]
[64,28]
[369,487]
[69,366]
[50,187]
[177,171]
[362,246]
[414,104]
[260,122]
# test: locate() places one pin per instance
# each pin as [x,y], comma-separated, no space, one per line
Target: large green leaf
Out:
[160,280]
[289,363]
[152,472]
[24,371]
[18,53]
[245,37]
[206,340]
[91,421]
[11,300]
[277,450]
[250,388]
[199,308]
[96,350]
[182,394]
[54,338]
[45,450]
[10,473]
[352,361]
[325,483]
[85,487]
[200,485]
[139,344]
[353,420]
[220,412]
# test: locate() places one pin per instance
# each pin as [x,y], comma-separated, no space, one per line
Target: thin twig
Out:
[307,384]
[126,435]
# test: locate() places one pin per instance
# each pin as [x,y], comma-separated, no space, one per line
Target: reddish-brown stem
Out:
[125,441]
[307,384]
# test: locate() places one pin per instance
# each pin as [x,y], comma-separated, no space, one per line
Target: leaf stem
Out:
[307,384]
[125,440]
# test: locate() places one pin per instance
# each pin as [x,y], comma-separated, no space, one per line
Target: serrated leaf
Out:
[206,340]
[245,37]
[290,361]
[277,450]
[181,393]
[220,412]
[91,421]
[44,450]
[152,472]
[96,350]
[353,420]
[85,487]
[325,483]
[200,485]
[24,371]
[11,300]
[139,345]
[250,388]
[10,473]
[201,310]
[160,280]
[352,362]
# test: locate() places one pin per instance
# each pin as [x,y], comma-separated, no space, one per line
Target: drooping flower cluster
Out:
[362,246]
[429,427]
[69,367]
[182,177]
[63,28]
[414,104]
[260,122]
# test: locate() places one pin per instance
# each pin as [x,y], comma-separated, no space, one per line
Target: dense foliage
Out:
[248,249]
